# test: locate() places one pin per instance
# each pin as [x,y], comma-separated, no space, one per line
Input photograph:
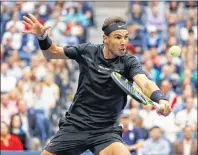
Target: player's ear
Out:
[105,39]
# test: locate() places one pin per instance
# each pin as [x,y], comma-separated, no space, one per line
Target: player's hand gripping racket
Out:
[128,88]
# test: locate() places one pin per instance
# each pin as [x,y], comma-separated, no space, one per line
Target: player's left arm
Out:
[152,91]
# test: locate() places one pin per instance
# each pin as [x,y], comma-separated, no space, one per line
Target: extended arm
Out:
[147,86]
[49,49]
[151,90]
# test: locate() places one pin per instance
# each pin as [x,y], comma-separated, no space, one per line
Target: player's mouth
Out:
[122,51]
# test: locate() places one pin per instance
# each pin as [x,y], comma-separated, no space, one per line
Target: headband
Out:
[114,27]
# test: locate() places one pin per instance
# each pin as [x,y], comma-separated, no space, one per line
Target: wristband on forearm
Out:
[44,41]
[157,95]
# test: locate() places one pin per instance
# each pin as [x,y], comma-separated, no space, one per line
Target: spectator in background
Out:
[144,113]
[76,14]
[166,124]
[138,122]
[7,82]
[36,144]
[155,15]
[152,39]
[37,101]
[166,72]
[150,70]
[7,109]
[187,91]
[187,145]
[131,49]
[68,38]
[28,118]
[9,142]
[57,26]
[186,31]
[156,144]
[87,9]
[28,7]
[131,135]
[192,15]
[51,92]
[12,38]
[4,17]
[16,129]
[15,21]
[188,116]
[190,4]
[14,98]
[29,48]
[15,65]
[135,37]
[174,8]
[132,104]
[171,31]
[44,10]
[62,79]
[136,15]
[27,80]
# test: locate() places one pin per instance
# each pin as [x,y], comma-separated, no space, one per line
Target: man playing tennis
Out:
[92,120]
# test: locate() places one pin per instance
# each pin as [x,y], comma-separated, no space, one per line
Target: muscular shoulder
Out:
[92,48]
[130,59]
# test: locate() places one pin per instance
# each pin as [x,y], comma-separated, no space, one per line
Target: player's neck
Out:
[107,53]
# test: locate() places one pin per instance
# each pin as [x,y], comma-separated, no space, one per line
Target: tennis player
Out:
[92,120]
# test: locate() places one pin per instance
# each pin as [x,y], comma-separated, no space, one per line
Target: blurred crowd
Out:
[36,92]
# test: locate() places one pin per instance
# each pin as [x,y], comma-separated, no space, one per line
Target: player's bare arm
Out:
[151,90]
[49,49]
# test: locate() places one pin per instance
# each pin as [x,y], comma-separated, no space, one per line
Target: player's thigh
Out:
[116,148]
[44,152]
[67,141]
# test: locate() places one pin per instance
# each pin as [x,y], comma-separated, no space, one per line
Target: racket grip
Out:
[158,106]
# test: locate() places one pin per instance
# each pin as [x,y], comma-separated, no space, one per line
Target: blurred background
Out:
[36,93]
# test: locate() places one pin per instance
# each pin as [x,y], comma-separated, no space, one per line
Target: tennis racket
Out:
[129,89]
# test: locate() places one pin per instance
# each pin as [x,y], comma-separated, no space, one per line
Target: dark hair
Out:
[109,21]
[11,121]
[155,127]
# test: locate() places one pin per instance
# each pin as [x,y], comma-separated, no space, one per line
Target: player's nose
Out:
[123,42]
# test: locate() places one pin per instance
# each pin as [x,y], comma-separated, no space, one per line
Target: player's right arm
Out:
[49,49]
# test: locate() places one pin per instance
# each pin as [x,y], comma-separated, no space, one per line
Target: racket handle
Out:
[158,106]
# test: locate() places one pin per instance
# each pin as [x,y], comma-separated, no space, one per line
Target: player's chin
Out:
[121,52]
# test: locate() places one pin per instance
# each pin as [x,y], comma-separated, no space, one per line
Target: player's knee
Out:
[116,148]
[121,151]
[44,152]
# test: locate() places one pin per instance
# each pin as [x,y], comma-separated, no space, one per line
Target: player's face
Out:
[117,42]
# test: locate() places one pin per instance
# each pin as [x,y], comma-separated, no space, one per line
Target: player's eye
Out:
[126,37]
[118,37]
